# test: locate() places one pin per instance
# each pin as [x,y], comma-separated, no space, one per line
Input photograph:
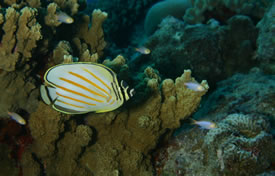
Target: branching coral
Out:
[21,34]
[25,92]
[93,35]
[63,48]
[68,4]
[46,126]
[54,152]
[126,137]
[70,149]
[32,40]
[51,19]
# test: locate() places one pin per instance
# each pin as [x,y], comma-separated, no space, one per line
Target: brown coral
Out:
[125,138]
[21,34]
[46,125]
[93,35]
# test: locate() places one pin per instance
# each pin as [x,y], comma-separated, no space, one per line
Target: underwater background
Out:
[209,60]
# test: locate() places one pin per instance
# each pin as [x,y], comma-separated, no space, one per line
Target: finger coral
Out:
[126,137]
[19,40]
[33,39]
[94,35]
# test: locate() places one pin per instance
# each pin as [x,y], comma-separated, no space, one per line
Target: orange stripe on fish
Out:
[87,80]
[100,80]
[69,104]
[80,94]
[74,99]
[112,102]
[109,98]
[82,87]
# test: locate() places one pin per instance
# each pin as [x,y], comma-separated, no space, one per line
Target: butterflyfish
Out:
[16,117]
[64,18]
[82,87]
[204,124]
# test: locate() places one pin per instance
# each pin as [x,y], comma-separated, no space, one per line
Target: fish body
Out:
[16,117]
[204,124]
[64,18]
[194,86]
[82,87]
[143,50]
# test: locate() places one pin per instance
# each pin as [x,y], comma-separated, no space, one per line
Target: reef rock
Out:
[125,138]
[224,9]
[242,143]
[211,51]
[266,42]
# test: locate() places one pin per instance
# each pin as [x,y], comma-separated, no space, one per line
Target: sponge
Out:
[163,9]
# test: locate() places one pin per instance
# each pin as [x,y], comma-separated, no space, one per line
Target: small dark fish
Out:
[143,50]
[205,124]
[194,86]
[64,18]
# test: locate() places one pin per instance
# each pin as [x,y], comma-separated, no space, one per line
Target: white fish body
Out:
[16,117]
[78,88]
[143,50]
[64,18]
[205,124]
[194,86]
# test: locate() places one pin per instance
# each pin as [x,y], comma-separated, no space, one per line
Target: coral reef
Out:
[121,142]
[175,8]
[117,142]
[242,143]
[21,34]
[94,35]
[14,141]
[210,50]
[125,138]
[45,126]
[224,9]
[252,93]
[266,42]
[52,157]
[18,91]
[33,39]
[123,16]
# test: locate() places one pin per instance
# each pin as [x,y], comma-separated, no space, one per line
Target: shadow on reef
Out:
[14,140]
